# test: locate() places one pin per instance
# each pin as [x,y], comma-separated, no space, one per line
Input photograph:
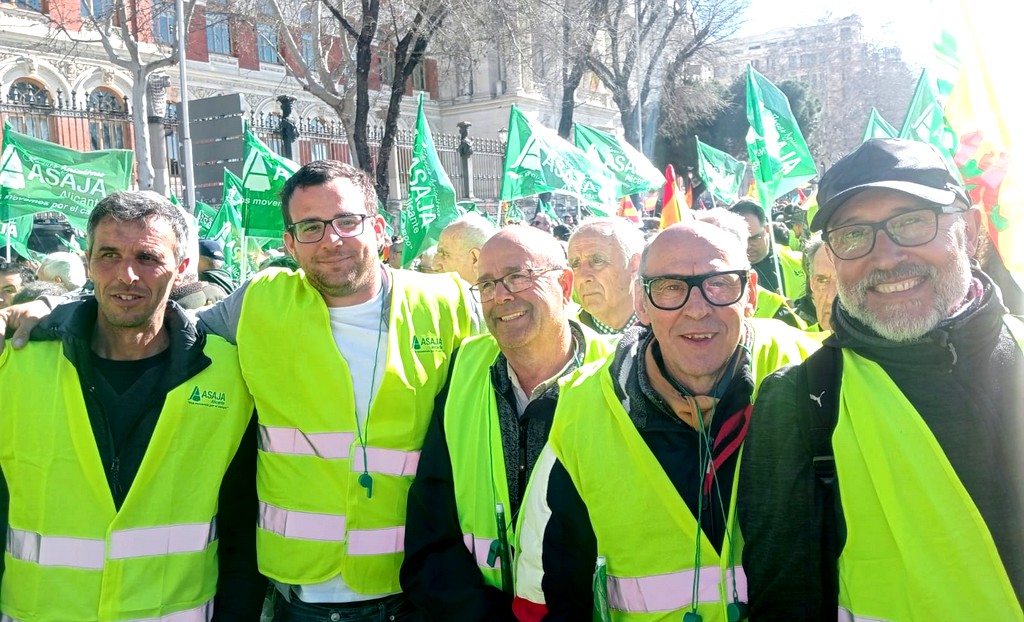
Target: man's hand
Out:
[21,319]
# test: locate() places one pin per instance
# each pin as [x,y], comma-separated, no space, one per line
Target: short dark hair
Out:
[320,172]
[746,206]
[27,273]
[780,232]
[132,205]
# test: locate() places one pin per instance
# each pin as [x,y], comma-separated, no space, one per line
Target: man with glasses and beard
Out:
[640,462]
[884,476]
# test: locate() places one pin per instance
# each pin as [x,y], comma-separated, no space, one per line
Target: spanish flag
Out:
[671,212]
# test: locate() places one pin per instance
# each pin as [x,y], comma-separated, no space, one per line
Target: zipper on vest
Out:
[115,475]
[115,465]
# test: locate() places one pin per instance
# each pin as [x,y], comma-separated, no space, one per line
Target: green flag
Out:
[779,157]
[538,160]
[878,127]
[19,230]
[226,226]
[263,176]
[205,214]
[722,173]
[39,176]
[514,214]
[631,169]
[431,195]
[925,121]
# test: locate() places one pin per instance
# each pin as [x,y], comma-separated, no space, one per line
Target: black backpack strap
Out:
[824,374]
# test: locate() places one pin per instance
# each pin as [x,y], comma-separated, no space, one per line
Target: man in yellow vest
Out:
[489,426]
[344,359]
[884,476]
[816,304]
[127,445]
[640,463]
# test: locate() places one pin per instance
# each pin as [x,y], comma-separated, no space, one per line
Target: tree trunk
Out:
[140,127]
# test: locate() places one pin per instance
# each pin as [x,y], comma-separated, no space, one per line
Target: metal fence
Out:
[87,124]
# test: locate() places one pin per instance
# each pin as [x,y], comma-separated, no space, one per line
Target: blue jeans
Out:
[388,609]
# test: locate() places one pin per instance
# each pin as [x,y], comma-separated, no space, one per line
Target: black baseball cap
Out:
[212,249]
[907,166]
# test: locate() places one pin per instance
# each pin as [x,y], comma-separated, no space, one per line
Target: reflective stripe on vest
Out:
[89,554]
[305,525]
[337,446]
[480,549]
[291,441]
[202,613]
[376,541]
[330,528]
[671,591]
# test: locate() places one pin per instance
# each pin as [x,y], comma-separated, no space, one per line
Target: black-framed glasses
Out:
[914,228]
[311,231]
[514,283]
[669,292]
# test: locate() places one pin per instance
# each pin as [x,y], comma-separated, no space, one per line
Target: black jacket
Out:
[964,380]
[569,545]
[438,574]
[122,444]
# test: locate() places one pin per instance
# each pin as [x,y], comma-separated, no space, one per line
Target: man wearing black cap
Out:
[211,265]
[883,476]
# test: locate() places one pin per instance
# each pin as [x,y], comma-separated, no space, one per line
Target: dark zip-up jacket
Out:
[963,378]
[438,574]
[240,587]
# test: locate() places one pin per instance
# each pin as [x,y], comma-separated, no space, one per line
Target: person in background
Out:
[36,290]
[604,254]
[458,246]
[64,268]
[761,253]
[821,286]
[13,276]
[211,266]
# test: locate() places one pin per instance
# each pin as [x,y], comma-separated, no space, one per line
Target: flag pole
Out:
[244,270]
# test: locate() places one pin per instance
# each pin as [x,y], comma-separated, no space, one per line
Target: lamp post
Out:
[503,139]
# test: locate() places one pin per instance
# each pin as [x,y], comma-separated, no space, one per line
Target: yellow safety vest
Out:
[316,519]
[917,548]
[794,281]
[70,554]
[474,444]
[644,529]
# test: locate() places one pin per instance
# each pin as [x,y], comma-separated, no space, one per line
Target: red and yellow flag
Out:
[628,211]
[982,111]
[670,209]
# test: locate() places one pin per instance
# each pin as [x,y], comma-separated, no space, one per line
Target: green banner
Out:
[878,127]
[925,121]
[205,214]
[40,176]
[779,157]
[538,160]
[631,169]
[431,195]
[263,176]
[722,174]
[514,214]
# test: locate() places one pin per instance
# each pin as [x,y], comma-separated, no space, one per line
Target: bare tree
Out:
[125,29]
[392,36]
[645,42]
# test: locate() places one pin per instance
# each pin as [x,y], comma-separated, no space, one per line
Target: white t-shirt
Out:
[361,334]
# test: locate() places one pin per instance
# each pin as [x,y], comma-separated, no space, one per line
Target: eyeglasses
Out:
[721,289]
[514,283]
[909,229]
[311,231]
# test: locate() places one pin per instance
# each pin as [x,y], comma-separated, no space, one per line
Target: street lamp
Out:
[503,136]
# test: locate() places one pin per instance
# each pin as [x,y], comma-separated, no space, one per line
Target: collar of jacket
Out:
[74,323]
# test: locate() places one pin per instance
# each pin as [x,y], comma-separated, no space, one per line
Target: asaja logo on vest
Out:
[427,343]
[209,399]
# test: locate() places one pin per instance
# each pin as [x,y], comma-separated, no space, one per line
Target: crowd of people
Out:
[544,421]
